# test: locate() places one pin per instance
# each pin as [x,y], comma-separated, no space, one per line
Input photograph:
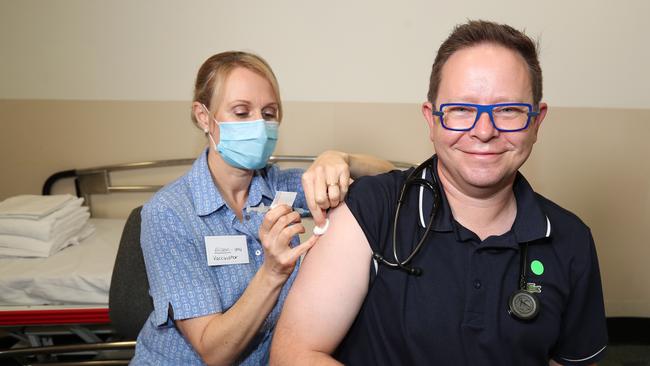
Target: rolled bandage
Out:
[320,230]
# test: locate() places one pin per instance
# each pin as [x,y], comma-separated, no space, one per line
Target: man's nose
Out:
[484,129]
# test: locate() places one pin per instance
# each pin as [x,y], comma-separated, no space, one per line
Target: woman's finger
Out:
[334,194]
[332,174]
[320,188]
[281,242]
[344,184]
[308,179]
[283,221]
[301,249]
[271,217]
[284,237]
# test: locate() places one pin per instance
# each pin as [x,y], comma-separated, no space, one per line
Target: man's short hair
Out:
[476,32]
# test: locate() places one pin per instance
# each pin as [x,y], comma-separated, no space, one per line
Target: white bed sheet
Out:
[79,274]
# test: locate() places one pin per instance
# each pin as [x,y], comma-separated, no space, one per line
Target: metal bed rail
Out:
[25,354]
[97,180]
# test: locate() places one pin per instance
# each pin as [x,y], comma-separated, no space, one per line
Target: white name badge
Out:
[226,249]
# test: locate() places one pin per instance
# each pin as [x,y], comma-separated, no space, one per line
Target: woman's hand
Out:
[279,226]
[326,183]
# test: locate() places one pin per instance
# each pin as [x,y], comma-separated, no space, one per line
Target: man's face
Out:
[482,158]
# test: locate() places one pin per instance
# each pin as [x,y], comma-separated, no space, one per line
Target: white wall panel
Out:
[594,53]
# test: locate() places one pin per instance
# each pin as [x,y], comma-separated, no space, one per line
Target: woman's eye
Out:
[270,114]
[241,113]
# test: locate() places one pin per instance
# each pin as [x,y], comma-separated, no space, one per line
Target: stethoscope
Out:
[522,304]
[412,180]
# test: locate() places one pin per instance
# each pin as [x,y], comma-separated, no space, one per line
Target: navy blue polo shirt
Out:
[456,312]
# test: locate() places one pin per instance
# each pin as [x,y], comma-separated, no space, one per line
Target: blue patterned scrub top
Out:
[182,285]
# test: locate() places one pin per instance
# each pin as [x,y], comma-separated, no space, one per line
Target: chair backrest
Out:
[129,302]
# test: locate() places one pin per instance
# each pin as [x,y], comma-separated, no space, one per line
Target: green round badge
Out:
[537,267]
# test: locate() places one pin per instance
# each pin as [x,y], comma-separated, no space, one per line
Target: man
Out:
[503,276]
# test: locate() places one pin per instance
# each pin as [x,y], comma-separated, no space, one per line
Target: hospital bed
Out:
[65,297]
[67,294]
[62,296]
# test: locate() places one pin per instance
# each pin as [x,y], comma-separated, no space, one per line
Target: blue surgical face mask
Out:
[246,145]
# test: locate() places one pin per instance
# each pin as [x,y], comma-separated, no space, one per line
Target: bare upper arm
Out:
[328,292]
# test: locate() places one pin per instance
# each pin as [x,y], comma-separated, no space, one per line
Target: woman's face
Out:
[245,96]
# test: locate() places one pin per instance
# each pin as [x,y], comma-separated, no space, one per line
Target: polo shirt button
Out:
[258,252]
[247,217]
[477,284]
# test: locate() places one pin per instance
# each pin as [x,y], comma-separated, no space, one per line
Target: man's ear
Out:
[537,122]
[427,112]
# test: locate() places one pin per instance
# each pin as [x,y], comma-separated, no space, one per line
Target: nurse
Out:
[218,271]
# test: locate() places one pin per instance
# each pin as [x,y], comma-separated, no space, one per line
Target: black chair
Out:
[129,302]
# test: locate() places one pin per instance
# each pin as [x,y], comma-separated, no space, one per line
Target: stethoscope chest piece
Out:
[523,305]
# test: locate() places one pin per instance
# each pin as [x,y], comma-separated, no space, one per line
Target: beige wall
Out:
[354,51]
[580,161]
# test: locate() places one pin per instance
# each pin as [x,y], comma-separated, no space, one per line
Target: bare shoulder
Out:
[327,294]
[340,258]
[344,235]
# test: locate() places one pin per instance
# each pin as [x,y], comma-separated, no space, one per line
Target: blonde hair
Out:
[216,69]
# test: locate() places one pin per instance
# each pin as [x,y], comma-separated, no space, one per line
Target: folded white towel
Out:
[18,246]
[49,226]
[30,206]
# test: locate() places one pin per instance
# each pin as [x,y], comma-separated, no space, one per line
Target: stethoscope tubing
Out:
[411,180]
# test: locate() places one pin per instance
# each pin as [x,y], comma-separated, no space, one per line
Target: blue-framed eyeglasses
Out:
[505,117]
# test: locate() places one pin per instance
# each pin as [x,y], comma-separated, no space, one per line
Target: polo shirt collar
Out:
[531,223]
[444,219]
[259,188]
[206,196]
